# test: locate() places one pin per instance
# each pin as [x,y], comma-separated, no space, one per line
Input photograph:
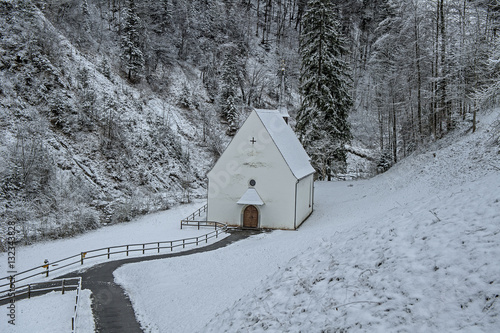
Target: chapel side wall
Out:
[305,197]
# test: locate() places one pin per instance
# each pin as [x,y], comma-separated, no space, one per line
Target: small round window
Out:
[252,182]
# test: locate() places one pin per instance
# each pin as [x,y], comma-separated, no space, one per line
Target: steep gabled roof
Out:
[287,143]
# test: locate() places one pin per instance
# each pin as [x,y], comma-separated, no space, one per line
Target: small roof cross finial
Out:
[253,140]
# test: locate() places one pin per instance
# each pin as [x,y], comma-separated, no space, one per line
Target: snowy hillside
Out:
[114,109]
[79,145]
[111,110]
[414,249]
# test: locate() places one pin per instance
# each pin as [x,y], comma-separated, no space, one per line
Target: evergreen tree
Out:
[132,56]
[87,100]
[86,16]
[322,122]
[232,116]
[489,95]
[160,12]
[229,90]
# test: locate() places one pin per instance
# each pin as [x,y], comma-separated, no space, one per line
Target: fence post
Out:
[46,262]
[181,224]
[82,256]
[108,252]
[206,238]
[62,287]
[143,245]
[29,290]
[196,241]
[158,247]
[183,245]
[171,246]
[72,323]
[127,250]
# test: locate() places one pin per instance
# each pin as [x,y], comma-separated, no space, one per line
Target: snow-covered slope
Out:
[101,150]
[413,250]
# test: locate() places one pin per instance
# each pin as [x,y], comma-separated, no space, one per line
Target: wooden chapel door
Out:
[250,217]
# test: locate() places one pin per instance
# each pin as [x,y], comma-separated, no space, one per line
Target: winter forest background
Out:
[115,108]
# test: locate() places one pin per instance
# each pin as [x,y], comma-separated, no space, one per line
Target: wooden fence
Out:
[188,221]
[14,292]
[144,248]
[34,289]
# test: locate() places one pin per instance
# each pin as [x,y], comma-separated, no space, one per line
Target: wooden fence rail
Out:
[75,311]
[196,214]
[33,289]
[80,258]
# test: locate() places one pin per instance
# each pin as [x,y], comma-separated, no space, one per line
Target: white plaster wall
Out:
[261,161]
[304,198]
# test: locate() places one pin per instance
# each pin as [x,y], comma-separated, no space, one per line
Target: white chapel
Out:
[264,178]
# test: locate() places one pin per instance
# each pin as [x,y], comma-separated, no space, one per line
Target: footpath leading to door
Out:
[111,307]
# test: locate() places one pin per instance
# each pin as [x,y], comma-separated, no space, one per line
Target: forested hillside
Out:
[115,108]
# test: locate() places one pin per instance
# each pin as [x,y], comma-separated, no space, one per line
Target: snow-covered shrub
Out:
[186,98]
[20,215]
[384,162]
[27,167]
[125,210]
[87,218]
[61,113]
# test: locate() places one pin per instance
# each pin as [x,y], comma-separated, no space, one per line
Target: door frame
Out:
[243,216]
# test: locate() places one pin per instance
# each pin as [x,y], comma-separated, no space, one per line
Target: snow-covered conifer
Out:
[131,54]
[86,16]
[322,122]
[229,88]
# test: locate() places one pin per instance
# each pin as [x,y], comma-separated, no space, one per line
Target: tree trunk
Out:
[446,114]
[394,132]
[419,74]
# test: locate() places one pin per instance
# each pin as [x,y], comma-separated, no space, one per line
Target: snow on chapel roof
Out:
[287,143]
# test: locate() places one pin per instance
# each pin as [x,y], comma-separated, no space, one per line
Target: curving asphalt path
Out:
[111,307]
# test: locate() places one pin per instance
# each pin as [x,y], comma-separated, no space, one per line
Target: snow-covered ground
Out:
[412,250]
[50,313]
[162,226]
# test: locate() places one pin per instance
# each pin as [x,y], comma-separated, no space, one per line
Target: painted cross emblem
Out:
[253,140]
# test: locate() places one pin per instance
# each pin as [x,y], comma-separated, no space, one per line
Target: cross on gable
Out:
[253,140]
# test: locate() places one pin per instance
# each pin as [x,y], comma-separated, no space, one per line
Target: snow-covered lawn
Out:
[50,313]
[414,250]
